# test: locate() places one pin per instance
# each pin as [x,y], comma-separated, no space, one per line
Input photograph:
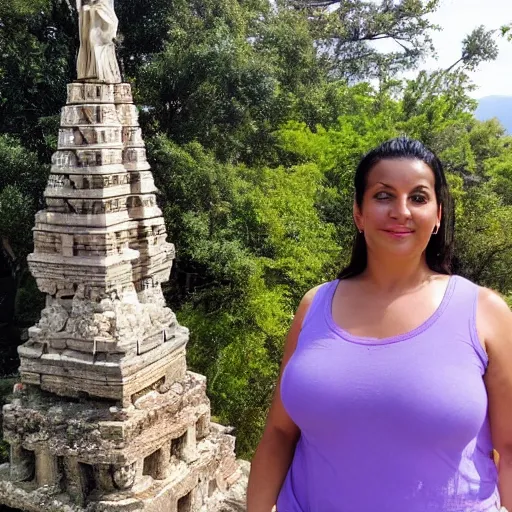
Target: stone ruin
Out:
[107,417]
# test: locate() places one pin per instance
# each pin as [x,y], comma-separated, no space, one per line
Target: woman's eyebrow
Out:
[416,188]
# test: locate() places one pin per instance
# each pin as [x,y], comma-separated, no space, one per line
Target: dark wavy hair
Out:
[439,251]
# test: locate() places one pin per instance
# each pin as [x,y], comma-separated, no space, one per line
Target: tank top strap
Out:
[316,308]
[461,312]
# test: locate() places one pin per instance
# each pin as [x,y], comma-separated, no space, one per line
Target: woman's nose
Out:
[400,209]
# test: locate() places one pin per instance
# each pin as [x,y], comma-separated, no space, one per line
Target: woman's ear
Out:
[358,218]
[439,214]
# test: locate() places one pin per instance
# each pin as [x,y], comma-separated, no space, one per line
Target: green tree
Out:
[252,242]
[255,116]
[22,180]
[505,31]
[37,58]
[347,31]
[477,47]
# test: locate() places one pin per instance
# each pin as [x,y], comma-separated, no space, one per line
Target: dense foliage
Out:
[255,115]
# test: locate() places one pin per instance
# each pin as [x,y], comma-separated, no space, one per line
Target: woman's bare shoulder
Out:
[494,319]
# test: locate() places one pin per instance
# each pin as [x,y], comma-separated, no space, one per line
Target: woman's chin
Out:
[399,248]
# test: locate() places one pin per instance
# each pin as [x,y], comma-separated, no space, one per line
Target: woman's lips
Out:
[398,233]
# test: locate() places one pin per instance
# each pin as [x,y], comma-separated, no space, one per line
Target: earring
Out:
[361,231]
[436,230]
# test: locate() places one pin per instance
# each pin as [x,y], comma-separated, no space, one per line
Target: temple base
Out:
[160,454]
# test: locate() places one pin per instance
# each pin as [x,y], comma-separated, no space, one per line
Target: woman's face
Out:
[399,210]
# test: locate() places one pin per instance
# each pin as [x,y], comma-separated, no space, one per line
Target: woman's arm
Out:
[494,321]
[275,450]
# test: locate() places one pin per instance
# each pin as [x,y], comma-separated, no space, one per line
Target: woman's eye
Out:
[418,198]
[381,195]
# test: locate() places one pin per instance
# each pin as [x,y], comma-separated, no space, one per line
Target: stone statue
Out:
[97,28]
[124,476]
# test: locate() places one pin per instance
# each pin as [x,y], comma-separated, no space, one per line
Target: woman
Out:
[397,377]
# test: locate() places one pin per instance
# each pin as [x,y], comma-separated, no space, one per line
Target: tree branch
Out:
[447,70]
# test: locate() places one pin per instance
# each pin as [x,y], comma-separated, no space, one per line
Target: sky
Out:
[457,19]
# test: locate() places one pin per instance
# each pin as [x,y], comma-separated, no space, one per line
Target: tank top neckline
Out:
[366,340]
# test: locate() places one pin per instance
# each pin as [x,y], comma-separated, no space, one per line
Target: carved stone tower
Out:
[106,417]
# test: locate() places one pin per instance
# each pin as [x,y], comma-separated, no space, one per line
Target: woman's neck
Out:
[395,275]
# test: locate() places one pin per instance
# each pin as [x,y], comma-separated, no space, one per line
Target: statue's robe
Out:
[97,29]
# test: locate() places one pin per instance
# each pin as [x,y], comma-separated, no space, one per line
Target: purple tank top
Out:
[392,425]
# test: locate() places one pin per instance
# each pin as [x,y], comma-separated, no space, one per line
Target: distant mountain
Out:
[496,106]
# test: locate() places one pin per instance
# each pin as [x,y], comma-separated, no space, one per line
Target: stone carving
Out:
[107,417]
[97,157]
[80,137]
[73,115]
[53,318]
[64,159]
[106,458]
[98,28]
[124,476]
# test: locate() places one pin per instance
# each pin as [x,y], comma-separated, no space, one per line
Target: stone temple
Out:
[107,417]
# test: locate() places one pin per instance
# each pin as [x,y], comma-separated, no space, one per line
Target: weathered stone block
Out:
[114,430]
[90,92]
[149,343]
[81,346]
[106,345]
[30,378]
[76,355]
[34,331]
[77,481]
[31,350]
[47,470]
